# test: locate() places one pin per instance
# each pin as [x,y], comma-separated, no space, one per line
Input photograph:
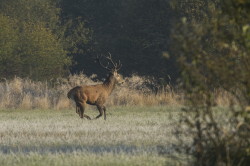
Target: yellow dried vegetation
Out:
[136,91]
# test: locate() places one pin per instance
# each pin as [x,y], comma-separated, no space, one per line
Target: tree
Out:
[212,46]
[9,63]
[43,44]
[42,56]
[32,11]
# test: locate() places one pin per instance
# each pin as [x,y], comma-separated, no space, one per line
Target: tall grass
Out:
[138,91]
[28,94]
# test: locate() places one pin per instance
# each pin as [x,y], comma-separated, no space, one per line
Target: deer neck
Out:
[109,83]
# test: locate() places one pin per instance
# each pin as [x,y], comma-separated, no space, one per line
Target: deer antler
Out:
[109,57]
[99,61]
[119,66]
[116,66]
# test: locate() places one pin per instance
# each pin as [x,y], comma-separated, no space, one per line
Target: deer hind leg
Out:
[104,111]
[100,109]
[81,109]
[78,108]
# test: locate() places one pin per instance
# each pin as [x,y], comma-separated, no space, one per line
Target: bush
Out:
[212,46]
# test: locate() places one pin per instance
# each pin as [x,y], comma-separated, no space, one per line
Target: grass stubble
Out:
[38,125]
[129,136]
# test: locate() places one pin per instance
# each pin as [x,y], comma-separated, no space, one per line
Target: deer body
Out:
[94,94]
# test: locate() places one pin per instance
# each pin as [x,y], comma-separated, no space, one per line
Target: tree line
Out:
[43,39]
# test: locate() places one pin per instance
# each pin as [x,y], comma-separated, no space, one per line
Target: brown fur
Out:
[94,95]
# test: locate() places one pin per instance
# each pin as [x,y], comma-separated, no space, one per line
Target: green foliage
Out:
[212,45]
[8,42]
[42,54]
[35,41]
[32,11]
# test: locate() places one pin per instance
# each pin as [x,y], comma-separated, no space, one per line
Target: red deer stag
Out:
[96,94]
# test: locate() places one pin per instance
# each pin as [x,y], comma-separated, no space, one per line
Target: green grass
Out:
[129,136]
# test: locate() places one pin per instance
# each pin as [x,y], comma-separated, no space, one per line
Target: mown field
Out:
[129,136]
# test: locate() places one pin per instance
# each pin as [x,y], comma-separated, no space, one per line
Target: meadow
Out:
[130,136]
[39,125]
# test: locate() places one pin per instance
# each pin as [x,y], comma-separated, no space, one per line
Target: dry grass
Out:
[27,94]
[136,91]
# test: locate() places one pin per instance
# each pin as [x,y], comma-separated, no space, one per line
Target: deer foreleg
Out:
[100,111]
[78,109]
[104,111]
[81,114]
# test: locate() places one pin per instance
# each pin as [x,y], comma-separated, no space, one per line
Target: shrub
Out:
[212,48]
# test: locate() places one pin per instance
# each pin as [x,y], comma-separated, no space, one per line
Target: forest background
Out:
[47,39]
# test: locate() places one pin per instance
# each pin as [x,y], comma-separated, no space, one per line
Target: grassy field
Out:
[129,136]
